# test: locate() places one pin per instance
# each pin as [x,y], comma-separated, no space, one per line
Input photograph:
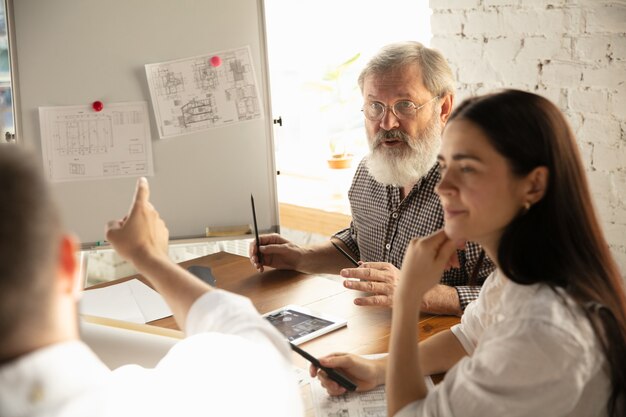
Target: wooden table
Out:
[368,328]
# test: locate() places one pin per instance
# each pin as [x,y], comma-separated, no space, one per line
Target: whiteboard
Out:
[74,52]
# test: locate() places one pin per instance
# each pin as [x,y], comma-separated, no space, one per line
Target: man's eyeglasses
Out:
[403,109]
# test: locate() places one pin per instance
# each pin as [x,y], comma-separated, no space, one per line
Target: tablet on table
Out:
[299,324]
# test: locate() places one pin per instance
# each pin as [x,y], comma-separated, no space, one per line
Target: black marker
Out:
[346,254]
[259,256]
[333,374]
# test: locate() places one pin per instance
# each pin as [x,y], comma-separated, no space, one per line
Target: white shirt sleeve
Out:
[472,325]
[466,342]
[232,362]
[224,312]
[520,368]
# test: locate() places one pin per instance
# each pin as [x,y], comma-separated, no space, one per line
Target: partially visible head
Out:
[435,73]
[30,232]
[404,149]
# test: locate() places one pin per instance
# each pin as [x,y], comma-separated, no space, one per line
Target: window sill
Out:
[315,205]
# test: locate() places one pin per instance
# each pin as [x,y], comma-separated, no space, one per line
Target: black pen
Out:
[259,256]
[346,254]
[333,374]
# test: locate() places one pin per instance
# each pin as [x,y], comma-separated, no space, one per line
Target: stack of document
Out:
[131,301]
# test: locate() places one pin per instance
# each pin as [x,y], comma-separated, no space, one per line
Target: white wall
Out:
[571,51]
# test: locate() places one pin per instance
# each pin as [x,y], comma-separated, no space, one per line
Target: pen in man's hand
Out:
[346,254]
[259,256]
[333,374]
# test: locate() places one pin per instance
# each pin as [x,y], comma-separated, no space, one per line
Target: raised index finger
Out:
[142,193]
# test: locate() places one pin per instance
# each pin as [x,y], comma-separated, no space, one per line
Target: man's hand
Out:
[141,237]
[367,374]
[379,278]
[141,233]
[277,253]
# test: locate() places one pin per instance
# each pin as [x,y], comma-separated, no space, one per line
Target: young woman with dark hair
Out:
[547,336]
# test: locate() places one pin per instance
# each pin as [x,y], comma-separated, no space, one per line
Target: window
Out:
[7,126]
[316,51]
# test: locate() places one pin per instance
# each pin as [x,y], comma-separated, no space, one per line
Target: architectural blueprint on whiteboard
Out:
[79,143]
[191,94]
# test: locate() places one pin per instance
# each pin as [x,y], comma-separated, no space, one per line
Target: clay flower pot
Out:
[340,161]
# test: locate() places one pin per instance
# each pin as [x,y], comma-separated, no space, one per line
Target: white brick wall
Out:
[571,51]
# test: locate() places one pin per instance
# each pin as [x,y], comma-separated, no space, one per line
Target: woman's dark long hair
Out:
[558,241]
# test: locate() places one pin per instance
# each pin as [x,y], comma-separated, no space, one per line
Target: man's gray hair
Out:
[436,73]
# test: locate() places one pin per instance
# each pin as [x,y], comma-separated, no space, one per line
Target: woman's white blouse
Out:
[530,354]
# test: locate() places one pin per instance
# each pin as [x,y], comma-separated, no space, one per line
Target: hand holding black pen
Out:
[259,255]
[278,253]
[333,374]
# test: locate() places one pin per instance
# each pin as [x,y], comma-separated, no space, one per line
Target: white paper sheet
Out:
[79,143]
[302,376]
[117,346]
[192,94]
[128,301]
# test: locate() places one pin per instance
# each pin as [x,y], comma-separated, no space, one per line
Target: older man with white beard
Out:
[408,92]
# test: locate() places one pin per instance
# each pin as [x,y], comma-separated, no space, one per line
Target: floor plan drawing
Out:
[77,169]
[79,143]
[85,136]
[205,76]
[167,83]
[191,94]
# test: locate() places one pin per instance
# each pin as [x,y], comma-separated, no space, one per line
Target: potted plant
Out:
[339,156]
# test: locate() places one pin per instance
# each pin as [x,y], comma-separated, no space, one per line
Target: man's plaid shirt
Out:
[382,227]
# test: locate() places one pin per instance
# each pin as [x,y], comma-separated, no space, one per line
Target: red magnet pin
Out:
[216,61]
[97,105]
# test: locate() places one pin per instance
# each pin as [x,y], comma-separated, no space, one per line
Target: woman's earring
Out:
[526,206]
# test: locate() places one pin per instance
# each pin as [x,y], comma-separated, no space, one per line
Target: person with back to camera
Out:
[231,363]
[408,93]
[547,335]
